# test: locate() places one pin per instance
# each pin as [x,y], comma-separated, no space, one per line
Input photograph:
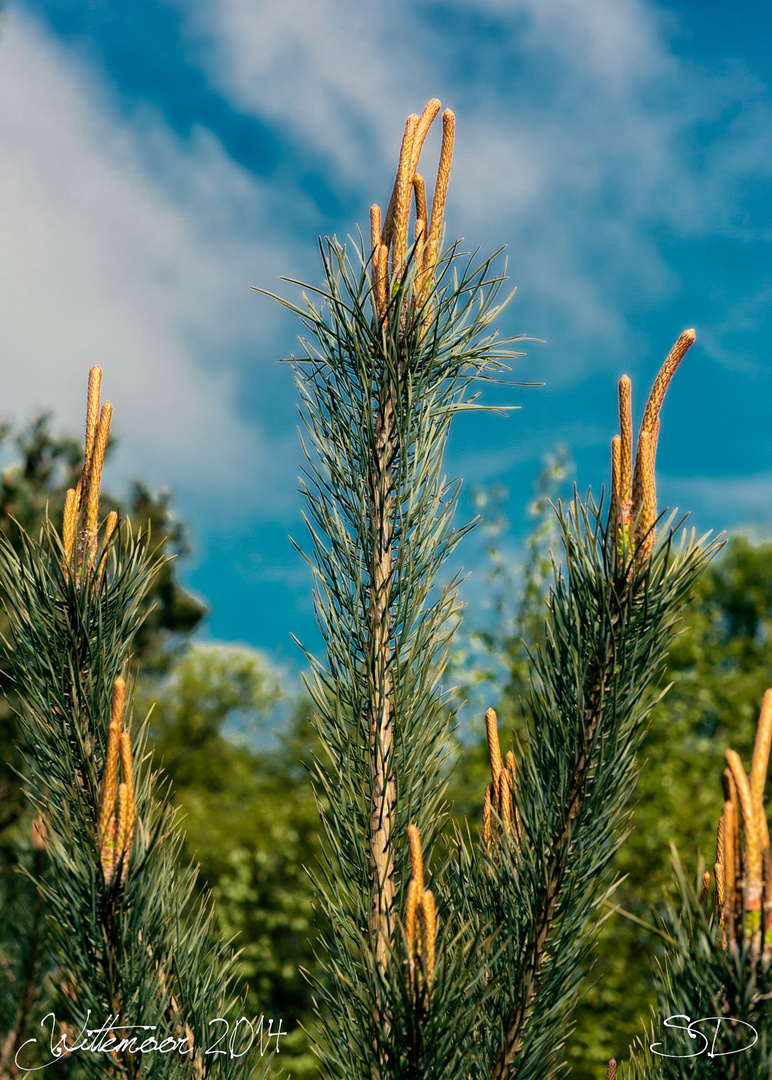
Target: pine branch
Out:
[398,341]
[631,625]
[718,959]
[131,947]
[381,690]
[613,610]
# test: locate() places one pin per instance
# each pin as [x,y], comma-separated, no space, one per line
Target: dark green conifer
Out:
[471,970]
[129,950]
[714,984]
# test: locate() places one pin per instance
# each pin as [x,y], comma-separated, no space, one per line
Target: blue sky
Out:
[157,159]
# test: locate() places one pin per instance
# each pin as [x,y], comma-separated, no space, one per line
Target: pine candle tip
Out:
[118,703]
[761,749]
[416,860]
[119,700]
[494,749]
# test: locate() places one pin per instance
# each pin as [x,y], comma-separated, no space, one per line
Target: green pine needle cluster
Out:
[714,981]
[486,987]
[128,946]
[700,980]
[610,622]
[355,371]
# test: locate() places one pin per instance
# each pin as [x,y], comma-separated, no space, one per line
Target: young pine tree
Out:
[477,975]
[138,971]
[714,984]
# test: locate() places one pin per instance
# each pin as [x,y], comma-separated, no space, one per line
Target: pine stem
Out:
[381,719]
[554,871]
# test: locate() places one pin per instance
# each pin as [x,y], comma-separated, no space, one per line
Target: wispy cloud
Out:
[583,137]
[743,501]
[105,262]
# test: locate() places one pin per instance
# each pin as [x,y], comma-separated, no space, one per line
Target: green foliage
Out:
[700,978]
[34,485]
[125,947]
[378,399]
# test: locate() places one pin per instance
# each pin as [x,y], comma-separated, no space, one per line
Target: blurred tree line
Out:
[249,813]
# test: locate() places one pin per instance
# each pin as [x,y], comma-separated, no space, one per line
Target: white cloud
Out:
[124,246]
[578,181]
[614,42]
[341,77]
[732,501]
[103,262]
[334,72]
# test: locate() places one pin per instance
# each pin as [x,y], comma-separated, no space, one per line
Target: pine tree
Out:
[714,984]
[43,465]
[132,956]
[476,976]
[379,393]
[717,667]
